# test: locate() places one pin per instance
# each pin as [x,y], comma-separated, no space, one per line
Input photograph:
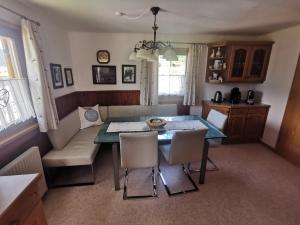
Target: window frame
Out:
[179,51]
[14,32]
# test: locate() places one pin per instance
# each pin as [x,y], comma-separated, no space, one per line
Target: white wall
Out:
[54,40]
[280,76]
[85,45]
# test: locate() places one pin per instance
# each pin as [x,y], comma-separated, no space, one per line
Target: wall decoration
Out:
[103,56]
[69,76]
[129,74]
[104,74]
[56,73]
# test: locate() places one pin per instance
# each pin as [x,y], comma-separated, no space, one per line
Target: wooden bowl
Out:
[156,123]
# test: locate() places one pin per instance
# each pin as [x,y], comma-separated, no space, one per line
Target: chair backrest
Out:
[217,119]
[138,150]
[187,146]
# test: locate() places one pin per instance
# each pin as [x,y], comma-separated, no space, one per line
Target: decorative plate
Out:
[103,56]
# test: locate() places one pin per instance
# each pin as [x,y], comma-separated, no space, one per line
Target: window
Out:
[15,103]
[9,64]
[171,75]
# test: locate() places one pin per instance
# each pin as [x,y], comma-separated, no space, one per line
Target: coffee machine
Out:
[250,97]
[235,96]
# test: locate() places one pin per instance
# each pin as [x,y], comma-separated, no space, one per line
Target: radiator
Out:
[27,163]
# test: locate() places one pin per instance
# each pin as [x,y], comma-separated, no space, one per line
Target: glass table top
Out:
[163,136]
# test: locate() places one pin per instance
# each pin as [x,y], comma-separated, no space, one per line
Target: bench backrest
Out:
[141,110]
[70,125]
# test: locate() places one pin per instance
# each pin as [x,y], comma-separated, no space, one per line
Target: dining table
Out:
[164,137]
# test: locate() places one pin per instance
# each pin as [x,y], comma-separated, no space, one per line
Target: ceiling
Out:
[180,16]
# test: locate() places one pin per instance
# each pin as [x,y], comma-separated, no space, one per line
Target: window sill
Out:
[14,132]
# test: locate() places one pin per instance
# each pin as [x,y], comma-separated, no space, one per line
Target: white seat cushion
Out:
[81,150]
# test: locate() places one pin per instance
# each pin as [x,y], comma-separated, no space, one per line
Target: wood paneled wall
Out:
[68,103]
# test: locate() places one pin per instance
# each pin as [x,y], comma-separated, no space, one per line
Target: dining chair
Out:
[186,147]
[218,120]
[139,150]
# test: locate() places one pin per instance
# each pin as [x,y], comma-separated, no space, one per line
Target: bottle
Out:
[212,55]
[218,53]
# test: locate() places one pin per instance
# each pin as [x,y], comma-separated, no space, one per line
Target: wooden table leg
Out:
[204,162]
[115,153]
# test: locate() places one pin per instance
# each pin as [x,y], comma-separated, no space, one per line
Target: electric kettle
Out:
[218,98]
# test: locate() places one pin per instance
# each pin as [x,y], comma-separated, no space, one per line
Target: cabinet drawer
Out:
[22,207]
[257,111]
[238,111]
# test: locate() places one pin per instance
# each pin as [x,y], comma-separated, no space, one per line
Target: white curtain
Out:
[149,83]
[15,102]
[195,74]
[42,100]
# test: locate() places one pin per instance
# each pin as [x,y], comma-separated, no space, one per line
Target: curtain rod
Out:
[188,43]
[20,15]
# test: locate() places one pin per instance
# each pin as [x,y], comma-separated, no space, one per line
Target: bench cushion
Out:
[66,129]
[81,150]
[141,110]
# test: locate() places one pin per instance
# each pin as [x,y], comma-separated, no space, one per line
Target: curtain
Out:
[42,100]
[195,74]
[15,102]
[149,83]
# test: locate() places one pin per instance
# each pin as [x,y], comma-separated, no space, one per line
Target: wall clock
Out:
[103,56]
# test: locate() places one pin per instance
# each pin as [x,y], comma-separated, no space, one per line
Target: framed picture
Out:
[104,74]
[56,74]
[103,56]
[69,76]
[129,74]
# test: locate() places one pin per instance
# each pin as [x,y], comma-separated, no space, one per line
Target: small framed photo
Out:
[56,74]
[129,74]
[69,76]
[103,56]
[104,74]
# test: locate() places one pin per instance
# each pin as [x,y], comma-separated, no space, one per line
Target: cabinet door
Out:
[254,126]
[37,216]
[238,63]
[235,126]
[258,63]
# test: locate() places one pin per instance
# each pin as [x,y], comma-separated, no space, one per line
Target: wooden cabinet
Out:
[239,61]
[20,203]
[245,123]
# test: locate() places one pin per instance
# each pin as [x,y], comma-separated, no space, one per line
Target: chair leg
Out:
[125,196]
[187,173]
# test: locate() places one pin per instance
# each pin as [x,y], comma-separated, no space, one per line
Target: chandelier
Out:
[149,50]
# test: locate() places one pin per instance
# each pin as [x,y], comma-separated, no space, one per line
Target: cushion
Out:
[124,111]
[141,110]
[103,110]
[89,116]
[80,151]
[66,129]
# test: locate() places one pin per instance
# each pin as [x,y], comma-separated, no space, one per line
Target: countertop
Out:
[11,187]
[230,105]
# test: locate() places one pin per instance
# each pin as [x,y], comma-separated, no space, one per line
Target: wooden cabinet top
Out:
[244,43]
[241,105]
[12,187]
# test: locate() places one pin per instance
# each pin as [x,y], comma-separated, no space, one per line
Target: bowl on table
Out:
[156,123]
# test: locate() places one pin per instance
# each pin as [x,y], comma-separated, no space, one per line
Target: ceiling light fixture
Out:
[149,50]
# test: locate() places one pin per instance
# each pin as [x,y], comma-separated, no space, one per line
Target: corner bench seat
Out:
[81,150]
[75,147]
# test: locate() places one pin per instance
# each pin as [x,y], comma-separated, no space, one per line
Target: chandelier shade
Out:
[149,50]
